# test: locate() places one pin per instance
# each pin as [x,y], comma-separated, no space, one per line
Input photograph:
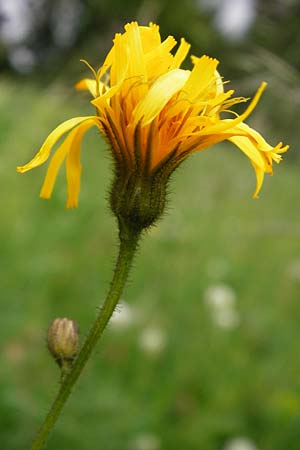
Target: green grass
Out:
[209,384]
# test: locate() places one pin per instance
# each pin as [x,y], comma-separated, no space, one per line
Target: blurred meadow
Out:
[203,352]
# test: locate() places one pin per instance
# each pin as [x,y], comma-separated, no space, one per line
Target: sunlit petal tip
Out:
[154,25]
[209,59]
[194,59]
[23,169]
[185,44]
[117,36]
[232,91]
[45,195]
[259,180]
[131,25]
[72,204]
[277,159]
[282,149]
[87,84]
[259,91]
[81,84]
[180,54]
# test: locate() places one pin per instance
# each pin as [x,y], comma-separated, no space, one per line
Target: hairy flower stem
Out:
[128,245]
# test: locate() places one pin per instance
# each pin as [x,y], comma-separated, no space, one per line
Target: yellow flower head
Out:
[154,114]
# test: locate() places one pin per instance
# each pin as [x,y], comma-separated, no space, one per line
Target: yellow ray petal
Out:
[135,50]
[199,143]
[194,59]
[280,149]
[219,83]
[55,165]
[260,161]
[43,154]
[120,66]
[250,150]
[263,145]
[150,37]
[159,94]
[60,154]
[201,77]
[73,165]
[181,53]
[102,101]
[259,179]
[159,60]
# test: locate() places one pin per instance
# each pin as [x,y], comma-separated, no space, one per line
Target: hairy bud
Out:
[63,340]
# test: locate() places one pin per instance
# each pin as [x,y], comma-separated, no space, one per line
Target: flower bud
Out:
[63,340]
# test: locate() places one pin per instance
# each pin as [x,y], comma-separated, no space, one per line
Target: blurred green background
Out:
[204,350]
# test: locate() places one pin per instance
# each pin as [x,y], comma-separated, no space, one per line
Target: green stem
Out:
[128,244]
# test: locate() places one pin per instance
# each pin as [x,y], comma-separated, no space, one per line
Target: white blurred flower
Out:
[233,18]
[227,318]
[220,296]
[16,21]
[22,59]
[221,300]
[240,443]
[65,21]
[293,270]
[153,340]
[146,441]
[123,317]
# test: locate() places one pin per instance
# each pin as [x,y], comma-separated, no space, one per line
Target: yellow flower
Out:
[154,114]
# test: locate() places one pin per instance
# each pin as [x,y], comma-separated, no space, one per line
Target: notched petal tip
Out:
[45,196]
[71,204]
